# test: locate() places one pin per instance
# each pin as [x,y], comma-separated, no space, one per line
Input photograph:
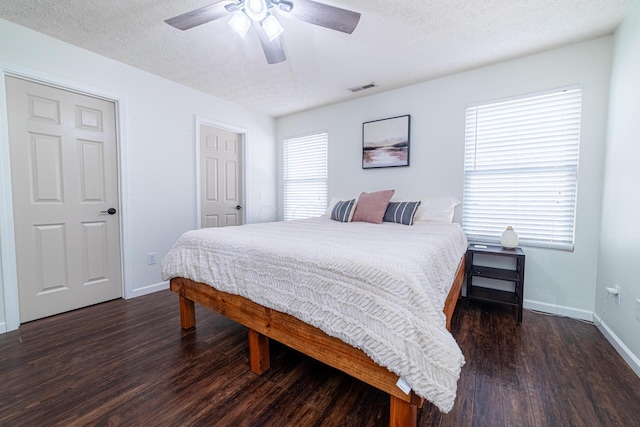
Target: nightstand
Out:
[516,276]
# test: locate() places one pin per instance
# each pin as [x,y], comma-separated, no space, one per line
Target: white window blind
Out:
[521,168]
[305,176]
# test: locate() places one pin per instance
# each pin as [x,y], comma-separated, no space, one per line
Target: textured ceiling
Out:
[396,43]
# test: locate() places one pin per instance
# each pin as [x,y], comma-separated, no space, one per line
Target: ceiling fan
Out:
[259,15]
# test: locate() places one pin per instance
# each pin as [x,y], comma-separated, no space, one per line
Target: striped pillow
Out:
[401,212]
[342,210]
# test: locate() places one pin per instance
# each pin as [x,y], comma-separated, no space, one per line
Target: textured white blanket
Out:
[378,287]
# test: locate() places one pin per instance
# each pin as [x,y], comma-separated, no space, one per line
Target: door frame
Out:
[8,267]
[200,120]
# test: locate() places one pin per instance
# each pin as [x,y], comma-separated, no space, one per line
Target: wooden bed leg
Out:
[258,352]
[402,414]
[187,313]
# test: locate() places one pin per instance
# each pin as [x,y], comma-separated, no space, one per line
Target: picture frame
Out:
[385,142]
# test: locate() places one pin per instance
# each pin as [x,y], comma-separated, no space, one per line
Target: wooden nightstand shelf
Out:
[516,276]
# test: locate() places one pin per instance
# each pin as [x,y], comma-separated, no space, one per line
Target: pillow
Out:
[372,206]
[335,200]
[437,209]
[401,212]
[343,211]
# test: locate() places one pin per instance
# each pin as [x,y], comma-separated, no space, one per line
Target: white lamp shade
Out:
[240,23]
[272,27]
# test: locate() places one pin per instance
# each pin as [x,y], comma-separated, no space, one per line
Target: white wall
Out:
[556,281]
[620,236]
[157,147]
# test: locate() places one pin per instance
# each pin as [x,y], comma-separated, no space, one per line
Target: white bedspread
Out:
[378,287]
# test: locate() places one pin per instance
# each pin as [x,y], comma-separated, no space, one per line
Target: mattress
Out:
[378,287]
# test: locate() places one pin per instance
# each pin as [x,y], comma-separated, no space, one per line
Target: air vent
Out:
[359,88]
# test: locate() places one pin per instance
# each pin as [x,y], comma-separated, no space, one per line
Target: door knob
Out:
[110,211]
[238,207]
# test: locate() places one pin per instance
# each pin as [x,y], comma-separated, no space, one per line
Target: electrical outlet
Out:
[151,258]
[638,308]
[619,289]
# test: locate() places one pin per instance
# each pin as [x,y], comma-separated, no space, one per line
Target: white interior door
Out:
[220,177]
[65,198]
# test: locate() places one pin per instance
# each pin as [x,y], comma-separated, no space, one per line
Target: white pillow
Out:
[335,200]
[436,209]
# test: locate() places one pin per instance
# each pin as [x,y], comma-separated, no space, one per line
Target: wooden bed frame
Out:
[264,323]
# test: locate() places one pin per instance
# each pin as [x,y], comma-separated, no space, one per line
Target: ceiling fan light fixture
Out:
[272,27]
[256,9]
[240,23]
[243,14]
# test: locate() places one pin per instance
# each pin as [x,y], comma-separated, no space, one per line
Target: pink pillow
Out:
[372,206]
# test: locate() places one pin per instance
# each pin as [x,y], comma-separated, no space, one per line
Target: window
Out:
[305,176]
[521,168]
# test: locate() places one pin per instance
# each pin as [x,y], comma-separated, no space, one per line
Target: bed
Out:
[373,300]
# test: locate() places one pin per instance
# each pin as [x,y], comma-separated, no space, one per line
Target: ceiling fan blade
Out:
[199,16]
[324,15]
[273,50]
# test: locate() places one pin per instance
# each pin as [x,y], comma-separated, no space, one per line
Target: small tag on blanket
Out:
[403,385]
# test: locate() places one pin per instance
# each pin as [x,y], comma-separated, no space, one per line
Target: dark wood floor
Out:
[129,363]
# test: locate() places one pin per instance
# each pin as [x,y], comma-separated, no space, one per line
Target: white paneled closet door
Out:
[64,167]
[220,177]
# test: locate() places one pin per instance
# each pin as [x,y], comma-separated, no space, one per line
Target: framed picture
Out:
[385,143]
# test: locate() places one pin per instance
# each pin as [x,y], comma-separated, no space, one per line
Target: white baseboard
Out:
[3,328]
[560,310]
[620,347]
[148,289]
